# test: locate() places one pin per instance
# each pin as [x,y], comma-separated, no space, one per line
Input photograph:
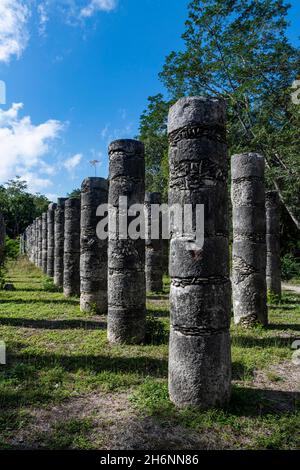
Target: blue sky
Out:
[79,73]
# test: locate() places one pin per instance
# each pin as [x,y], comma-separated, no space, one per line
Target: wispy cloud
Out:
[43,16]
[109,134]
[71,163]
[14,35]
[98,5]
[15,15]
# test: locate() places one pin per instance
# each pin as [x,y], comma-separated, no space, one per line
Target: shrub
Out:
[49,286]
[289,267]
[12,248]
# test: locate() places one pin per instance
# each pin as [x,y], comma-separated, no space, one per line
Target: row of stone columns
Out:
[112,274]
[2,239]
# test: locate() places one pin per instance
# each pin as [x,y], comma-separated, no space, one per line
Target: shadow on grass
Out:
[284,326]
[53,324]
[40,301]
[265,342]
[158,296]
[283,307]
[28,373]
[30,289]
[159,313]
[241,372]
[255,402]
[291,300]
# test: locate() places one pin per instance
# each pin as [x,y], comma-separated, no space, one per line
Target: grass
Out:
[57,354]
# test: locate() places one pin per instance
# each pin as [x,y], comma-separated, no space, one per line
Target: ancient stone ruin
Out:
[199,351]
[44,242]
[50,239]
[154,248]
[249,240]
[59,238]
[126,257]
[93,254]
[71,283]
[2,239]
[273,269]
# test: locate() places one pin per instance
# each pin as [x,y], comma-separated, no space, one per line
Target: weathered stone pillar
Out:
[2,239]
[33,249]
[44,242]
[37,241]
[72,247]
[51,239]
[40,242]
[199,351]
[249,239]
[93,251]
[22,243]
[154,248]
[273,271]
[59,236]
[26,241]
[126,257]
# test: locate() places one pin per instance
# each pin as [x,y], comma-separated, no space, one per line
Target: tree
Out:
[19,207]
[153,132]
[238,50]
[74,194]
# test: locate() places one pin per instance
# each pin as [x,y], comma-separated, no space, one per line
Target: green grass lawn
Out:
[64,386]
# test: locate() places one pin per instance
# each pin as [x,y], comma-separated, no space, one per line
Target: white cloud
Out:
[71,163]
[98,5]
[35,182]
[52,196]
[14,35]
[23,146]
[104,131]
[43,17]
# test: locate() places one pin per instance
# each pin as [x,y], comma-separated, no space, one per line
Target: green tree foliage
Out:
[74,194]
[153,132]
[237,50]
[19,207]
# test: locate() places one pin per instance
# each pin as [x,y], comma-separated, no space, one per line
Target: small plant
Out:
[2,277]
[49,286]
[273,299]
[156,332]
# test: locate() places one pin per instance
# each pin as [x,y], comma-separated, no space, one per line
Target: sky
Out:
[77,76]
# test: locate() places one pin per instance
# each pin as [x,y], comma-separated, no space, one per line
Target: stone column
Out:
[51,239]
[2,239]
[44,242]
[22,251]
[154,249]
[199,351]
[273,271]
[126,257]
[59,236]
[33,250]
[26,241]
[40,242]
[93,251]
[72,247]
[249,240]
[37,241]
[29,242]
